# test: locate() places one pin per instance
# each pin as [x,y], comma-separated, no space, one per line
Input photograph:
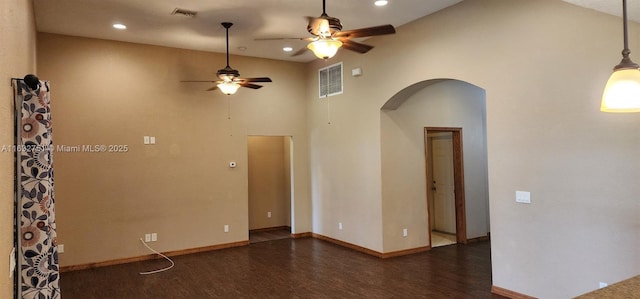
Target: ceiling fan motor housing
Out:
[227,73]
[334,25]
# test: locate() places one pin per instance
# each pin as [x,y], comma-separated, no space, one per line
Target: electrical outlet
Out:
[152,139]
[147,237]
[268,214]
[60,248]
[154,237]
[226,228]
[340,225]
[405,232]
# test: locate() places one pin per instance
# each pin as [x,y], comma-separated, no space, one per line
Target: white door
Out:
[444,196]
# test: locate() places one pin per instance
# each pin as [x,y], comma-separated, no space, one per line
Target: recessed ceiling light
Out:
[287,49]
[119,26]
[381,2]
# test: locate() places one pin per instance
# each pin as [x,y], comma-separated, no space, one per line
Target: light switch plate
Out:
[152,140]
[146,139]
[523,196]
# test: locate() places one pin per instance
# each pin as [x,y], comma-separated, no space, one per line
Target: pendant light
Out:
[622,92]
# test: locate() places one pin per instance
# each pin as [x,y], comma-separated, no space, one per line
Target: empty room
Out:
[319,149]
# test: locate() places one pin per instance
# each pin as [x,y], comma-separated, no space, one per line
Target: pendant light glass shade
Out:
[325,48]
[228,87]
[622,93]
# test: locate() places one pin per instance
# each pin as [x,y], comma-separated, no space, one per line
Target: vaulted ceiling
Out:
[152,21]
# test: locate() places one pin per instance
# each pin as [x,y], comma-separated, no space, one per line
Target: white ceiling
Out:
[612,7]
[151,22]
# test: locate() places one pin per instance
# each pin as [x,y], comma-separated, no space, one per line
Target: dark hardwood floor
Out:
[256,236]
[294,268]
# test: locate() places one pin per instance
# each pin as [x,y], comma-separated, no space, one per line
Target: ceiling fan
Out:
[328,36]
[230,79]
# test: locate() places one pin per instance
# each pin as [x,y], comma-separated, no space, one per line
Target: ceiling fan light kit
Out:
[228,87]
[622,92]
[325,48]
[328,36]
[230,80]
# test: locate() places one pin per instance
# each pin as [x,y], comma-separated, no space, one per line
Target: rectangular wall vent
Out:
[330,80]
[184,12]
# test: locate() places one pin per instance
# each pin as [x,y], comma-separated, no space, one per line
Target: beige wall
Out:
[269,183]
[17,58]
[404,200]
[182,188]
[543,65]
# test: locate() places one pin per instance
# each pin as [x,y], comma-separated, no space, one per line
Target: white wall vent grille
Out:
[184,12]
[330,80]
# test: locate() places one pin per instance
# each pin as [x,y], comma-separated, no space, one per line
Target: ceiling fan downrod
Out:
[324,8]
[227,25]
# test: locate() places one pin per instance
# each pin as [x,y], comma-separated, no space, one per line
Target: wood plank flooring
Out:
[294,268]
[268,235]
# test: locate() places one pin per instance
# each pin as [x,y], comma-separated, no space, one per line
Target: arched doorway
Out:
[440,103]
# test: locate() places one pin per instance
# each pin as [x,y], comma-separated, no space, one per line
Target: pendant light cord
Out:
[626,30]
[626,62]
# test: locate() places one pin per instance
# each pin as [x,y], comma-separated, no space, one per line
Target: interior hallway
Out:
[439,239]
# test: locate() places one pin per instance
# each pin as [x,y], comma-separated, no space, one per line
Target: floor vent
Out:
[184,12]
[330,80]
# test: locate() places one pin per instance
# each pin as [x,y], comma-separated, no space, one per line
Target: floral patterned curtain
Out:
[39,275]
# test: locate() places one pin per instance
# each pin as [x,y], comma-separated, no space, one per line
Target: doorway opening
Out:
[445,186]
[270,187]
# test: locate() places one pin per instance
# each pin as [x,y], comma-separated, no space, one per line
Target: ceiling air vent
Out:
[330,80]
[184,12]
